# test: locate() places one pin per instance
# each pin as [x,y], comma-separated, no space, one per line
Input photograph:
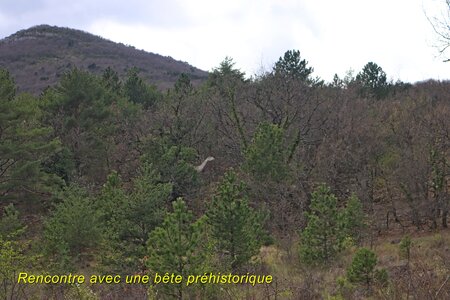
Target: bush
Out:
[405,247]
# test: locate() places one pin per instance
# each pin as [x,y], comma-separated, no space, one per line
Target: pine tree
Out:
[174,164]
[80,109]
[265,156]
[293,66]
[235,226]
[176,247]
[373,81]
[128,217]
[225,81]
[112,203]
[111,80]
[113,207]
[10,224]
[147,207]
[73,227]
[405,248]
[25,143]
[138,91]
[362,268]
[351,220]
[320,238]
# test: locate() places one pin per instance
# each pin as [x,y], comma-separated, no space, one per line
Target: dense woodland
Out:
[339,190]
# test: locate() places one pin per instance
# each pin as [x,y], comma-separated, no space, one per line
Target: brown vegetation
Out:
[37,58]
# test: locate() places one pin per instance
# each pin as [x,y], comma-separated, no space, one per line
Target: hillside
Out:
[38,56]
[309,190]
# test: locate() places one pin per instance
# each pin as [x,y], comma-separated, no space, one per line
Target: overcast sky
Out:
[334,36]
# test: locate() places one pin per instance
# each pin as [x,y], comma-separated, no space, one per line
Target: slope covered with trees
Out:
[313,183]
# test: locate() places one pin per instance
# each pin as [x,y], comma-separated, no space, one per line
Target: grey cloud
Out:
[79,14]
[18,7]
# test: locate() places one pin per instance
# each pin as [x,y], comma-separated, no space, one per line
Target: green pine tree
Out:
[73,228]
[10,224]
[293,66]
[265,156]
[405,248]
[362,268]
[225,81]
[351,220]
[25,143]
[236,227]
[147,207]
[320,239]
[138,91]
[111,80]
[81,111]
[372,80]
[128,217]
[174,164]
[176,247]
[113,206]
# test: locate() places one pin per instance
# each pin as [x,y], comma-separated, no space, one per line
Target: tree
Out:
[147,205]
[226,70]
[292,65]
[128,217]
[362,268]
[235,226]
[80,111]
[173,163]
[265,156]
[96,124]
[405,248]
[225,81]
[337,82]
[421,146]
[111,80]
[25,143]
[10,224]
[113,205]
[14,257]
[351,219]
[176,247]
[373,81]
[182,114]
[441,26]
[13,260]
[73,228]
[320,239]
[138,91]
[7,87]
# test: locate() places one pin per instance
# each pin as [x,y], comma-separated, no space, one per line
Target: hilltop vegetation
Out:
[39,56]
[338,190]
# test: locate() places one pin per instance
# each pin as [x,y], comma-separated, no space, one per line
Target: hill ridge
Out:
[36,57]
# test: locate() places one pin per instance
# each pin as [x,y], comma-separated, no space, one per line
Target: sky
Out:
[333,36]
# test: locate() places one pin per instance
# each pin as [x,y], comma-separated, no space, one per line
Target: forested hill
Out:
[38,56]
[335,190]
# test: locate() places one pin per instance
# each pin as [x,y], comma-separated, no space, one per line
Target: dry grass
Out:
[425,277]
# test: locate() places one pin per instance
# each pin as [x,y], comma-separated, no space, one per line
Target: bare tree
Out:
[441,26]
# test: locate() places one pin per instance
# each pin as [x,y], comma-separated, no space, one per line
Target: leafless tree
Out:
[441,26]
